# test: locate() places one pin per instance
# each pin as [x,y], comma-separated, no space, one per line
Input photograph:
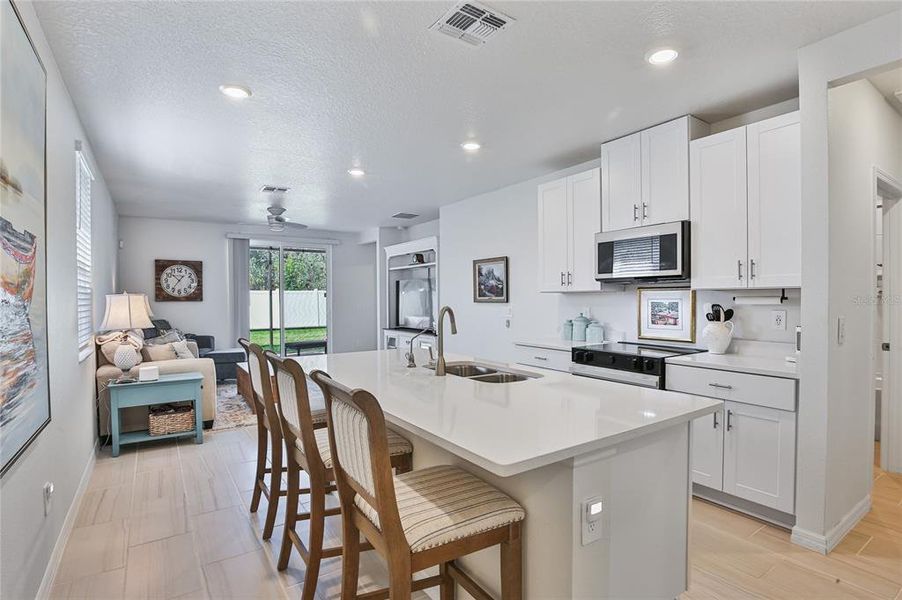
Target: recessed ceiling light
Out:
[662,56]
[356,172]
[471,146]
[235,91]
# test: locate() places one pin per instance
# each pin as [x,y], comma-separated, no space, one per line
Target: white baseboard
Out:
[68,524]
[826,543]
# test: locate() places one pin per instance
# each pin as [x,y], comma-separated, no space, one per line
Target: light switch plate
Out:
[592,518]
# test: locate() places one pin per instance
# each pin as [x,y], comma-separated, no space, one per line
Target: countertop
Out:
[774,366]
[514,427]
[550,343]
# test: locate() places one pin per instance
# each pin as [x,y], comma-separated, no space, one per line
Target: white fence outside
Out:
[302,309]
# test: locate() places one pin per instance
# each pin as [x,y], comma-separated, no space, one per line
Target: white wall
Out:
[64,449]
[864,132]
[353,278]
[831,373]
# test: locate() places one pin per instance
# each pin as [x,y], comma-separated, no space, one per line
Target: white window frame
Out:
[84,263]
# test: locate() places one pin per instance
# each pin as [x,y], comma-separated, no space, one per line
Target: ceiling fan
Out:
[278,222]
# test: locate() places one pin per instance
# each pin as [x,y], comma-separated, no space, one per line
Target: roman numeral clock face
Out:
[178,281]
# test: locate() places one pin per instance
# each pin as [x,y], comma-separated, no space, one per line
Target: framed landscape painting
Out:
[666,314]
[24,390]
[490,279]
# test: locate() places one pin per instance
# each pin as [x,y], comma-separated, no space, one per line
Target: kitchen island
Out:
[552,442]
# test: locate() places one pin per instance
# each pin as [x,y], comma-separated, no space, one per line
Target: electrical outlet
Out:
[778,319]
[592,511]
[840,331]
[48,497]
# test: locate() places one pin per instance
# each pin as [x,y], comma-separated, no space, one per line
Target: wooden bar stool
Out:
[269,434]
[308,448]
[414,520]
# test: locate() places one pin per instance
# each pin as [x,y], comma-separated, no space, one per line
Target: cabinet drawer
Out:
[559,360]
[760,390]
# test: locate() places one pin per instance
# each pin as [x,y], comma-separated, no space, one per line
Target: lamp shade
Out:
[125,311]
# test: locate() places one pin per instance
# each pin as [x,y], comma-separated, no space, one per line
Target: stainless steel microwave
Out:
[650,253]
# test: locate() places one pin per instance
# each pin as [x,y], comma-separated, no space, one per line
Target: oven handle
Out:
[645,382]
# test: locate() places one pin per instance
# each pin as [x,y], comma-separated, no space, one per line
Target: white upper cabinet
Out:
[775,208]
[665,172]
[585,221]
[718,207]
[745,200]
[554,248]
[569,212]
[645,176]
[621,176]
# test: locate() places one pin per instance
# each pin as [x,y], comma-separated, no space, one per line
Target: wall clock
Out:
[179,280]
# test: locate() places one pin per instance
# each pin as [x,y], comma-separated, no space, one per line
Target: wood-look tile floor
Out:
[171,520]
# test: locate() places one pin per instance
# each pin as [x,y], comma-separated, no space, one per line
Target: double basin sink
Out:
[485,373]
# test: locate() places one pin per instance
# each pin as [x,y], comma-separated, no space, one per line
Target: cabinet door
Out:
[707,450]
[775,202]
[553,229]
[621,190]
[717,194]
[584,220]
[665,172]
[760,455]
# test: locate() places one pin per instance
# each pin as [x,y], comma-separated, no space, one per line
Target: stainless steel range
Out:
[625,362]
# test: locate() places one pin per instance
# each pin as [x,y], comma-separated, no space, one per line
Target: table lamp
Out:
[126,311]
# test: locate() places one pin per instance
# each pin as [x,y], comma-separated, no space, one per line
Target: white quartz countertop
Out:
[550,343]
[774,366]
[509,428]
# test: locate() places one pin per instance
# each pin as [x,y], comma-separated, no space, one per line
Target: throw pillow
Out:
[155,352]
[181,349]
[164,339]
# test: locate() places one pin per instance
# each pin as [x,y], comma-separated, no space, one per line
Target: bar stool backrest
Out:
[261,381]
[294,406]
[360,458]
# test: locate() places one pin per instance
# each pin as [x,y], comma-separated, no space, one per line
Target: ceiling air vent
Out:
[472,22]
[403,215]
[274,189]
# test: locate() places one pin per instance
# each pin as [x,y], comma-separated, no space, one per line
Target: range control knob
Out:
[635,363]
[612,359]
[649,364]
[590,356]
[579,356]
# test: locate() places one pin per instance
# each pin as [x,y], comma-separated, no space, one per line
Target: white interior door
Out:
[719,210]
[775,202]
[553,228]
[891,417]
[585,222]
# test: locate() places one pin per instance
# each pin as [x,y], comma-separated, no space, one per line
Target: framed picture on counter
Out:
[666,314]
[490,279]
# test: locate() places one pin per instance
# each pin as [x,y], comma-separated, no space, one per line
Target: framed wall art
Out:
[490,280]
[666,314]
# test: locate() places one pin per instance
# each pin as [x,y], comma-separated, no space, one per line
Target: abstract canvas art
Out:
[25,390]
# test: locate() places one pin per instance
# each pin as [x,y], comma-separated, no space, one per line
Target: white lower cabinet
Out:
[537,356]
[759,455]
[747,449]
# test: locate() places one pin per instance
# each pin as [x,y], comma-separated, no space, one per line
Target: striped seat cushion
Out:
[397,445]
[442,504]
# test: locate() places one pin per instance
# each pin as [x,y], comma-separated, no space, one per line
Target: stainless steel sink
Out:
[468,370]
[500,378]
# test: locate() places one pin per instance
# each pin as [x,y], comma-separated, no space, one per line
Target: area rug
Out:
[231,409]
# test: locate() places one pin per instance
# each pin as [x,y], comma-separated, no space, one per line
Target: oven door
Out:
[652,252]
[616,375]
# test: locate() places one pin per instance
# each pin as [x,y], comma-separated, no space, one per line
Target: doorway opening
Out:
[289,302]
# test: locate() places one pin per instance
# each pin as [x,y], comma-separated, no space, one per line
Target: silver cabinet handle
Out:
[644,210]
[739,269]
[540,357]
[569,278]
[729,420]
[721,386]
[715,420]
[562,278]
[752,268]
[635,212]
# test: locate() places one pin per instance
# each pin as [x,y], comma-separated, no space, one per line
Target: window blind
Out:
[84,298]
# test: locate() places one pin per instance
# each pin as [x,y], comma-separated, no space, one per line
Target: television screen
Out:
[414,303]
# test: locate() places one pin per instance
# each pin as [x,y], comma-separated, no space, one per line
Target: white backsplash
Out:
[617,311]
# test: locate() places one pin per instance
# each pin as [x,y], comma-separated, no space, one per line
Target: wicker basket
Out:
[164,419]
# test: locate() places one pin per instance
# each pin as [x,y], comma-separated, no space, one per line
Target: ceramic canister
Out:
[579,328]
[595,333]
[567,330]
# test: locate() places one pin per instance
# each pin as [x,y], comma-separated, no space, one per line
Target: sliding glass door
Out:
[288,299]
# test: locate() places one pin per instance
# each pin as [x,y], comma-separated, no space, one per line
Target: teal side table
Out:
[178,387]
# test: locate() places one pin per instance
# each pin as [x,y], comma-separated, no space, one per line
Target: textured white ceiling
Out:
[342,83]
